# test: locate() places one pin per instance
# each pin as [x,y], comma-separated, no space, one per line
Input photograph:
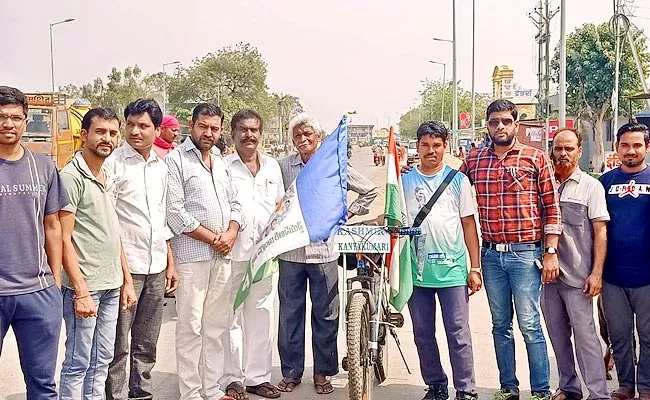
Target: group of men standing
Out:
[553,237]
[129,223]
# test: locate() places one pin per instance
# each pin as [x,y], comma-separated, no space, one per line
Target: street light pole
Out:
[562,88]
[454,104]
[52,49]
[473,69]
[164,107]
[454,99]
[444,86]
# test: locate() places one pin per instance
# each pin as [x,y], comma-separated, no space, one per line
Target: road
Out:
[399,385]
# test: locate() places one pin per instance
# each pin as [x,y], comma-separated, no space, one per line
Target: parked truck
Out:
[54,126]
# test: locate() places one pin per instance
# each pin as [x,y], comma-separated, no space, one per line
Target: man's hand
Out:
[405,169]
[128,295]
[84,306]
[171,279]
[551,269]
[57,280]
[223,242]
[593,285]
[474,282]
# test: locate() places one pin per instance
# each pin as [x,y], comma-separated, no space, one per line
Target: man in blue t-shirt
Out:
[626,275]
[31,195]
[440,264]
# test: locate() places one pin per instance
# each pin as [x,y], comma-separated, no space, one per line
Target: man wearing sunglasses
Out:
[518,210]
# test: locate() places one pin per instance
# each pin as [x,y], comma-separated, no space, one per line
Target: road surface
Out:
[399,385]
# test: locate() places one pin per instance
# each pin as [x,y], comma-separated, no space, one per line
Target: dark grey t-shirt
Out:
[30,188]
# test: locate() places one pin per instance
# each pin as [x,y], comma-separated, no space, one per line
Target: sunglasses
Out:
[494,122]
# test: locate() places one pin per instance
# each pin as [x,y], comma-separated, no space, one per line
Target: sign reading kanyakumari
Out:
[362,239]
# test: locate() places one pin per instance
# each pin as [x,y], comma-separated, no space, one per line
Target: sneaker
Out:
[540,396]
[466,395]
[506,394]
[436,393]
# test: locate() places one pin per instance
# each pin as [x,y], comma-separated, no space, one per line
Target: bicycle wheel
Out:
[359,372]
[380,364]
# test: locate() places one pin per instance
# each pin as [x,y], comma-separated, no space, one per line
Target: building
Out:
[360,134]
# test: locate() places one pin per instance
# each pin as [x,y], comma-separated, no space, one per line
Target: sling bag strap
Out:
[422,214]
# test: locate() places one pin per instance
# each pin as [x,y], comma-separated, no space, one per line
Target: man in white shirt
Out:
[258,179]
[141,202]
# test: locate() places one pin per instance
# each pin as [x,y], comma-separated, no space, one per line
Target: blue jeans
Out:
[36,321]
[89,346]
[514,276]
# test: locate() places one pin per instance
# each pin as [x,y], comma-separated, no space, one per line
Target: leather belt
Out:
[506,247]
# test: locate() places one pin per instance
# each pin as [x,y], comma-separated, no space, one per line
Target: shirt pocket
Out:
[573,215]
[518,179]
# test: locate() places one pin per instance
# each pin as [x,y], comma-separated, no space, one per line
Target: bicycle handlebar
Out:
[404,230]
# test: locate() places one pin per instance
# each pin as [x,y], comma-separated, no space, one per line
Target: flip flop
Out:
[324,387]
[264,390]
[288,384]
[237,391]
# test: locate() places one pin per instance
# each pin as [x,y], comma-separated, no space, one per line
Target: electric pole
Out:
[541,17]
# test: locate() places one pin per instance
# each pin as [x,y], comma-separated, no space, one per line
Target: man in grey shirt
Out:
[205,215]
[567,303]
[31,195]
[316,264]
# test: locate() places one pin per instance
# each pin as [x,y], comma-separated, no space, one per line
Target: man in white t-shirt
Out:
[440,264]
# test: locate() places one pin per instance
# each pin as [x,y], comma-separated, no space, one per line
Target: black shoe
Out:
[466,395]
[436,393]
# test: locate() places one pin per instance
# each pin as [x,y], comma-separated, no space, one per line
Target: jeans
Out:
[140,323]
[623,307]
[89,346]
[36,321]
[324,292]
[513,284]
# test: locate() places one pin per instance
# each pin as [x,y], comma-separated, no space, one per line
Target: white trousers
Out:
[248,346]
[204,313]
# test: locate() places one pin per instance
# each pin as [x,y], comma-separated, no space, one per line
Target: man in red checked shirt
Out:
[519,210]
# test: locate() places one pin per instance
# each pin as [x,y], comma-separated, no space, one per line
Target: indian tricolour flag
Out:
[313,209]
[399,259]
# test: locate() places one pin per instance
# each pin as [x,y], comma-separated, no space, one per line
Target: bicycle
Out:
[368,315]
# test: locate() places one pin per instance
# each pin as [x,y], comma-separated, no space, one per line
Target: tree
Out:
[233,78]
[590,55]
[431,107]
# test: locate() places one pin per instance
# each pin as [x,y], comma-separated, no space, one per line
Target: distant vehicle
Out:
[412,153]
[54,127]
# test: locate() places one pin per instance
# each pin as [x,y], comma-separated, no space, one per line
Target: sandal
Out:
[622,394]
[324,387]
[288,384]
[264,390]
[237,391]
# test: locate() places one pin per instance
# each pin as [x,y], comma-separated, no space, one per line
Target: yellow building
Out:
[503,87]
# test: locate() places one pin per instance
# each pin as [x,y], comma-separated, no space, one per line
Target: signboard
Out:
[39,99]
[507,89]
[611,161]
[534,133]
[554,125]
[465,120]
[362,239]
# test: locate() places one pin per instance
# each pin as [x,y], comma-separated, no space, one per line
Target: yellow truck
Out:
[54,126]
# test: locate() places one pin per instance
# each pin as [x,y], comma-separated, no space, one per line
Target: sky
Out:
[337,56]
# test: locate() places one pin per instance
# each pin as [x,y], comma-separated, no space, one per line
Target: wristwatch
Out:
[551,250]
[475,269]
